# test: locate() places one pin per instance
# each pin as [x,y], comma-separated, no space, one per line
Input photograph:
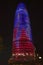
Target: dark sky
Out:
[35,10]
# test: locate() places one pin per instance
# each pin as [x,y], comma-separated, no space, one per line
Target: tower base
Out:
[21,60]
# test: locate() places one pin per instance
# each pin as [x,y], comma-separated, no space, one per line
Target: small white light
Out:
[40,57]
[22,54]
[26,53]
[19,54]
[13,54]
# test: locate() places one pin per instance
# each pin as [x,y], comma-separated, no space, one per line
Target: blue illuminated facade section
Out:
[22,21]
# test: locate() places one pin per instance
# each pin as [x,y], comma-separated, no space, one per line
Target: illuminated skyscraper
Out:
[22,37]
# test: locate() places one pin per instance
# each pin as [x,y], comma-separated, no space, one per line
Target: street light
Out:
[40,57]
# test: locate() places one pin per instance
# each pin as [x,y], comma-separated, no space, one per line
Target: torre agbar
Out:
[22,45]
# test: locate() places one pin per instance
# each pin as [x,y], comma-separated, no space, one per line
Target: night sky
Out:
[35,10]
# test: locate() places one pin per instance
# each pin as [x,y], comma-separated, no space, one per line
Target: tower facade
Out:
[22,44]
